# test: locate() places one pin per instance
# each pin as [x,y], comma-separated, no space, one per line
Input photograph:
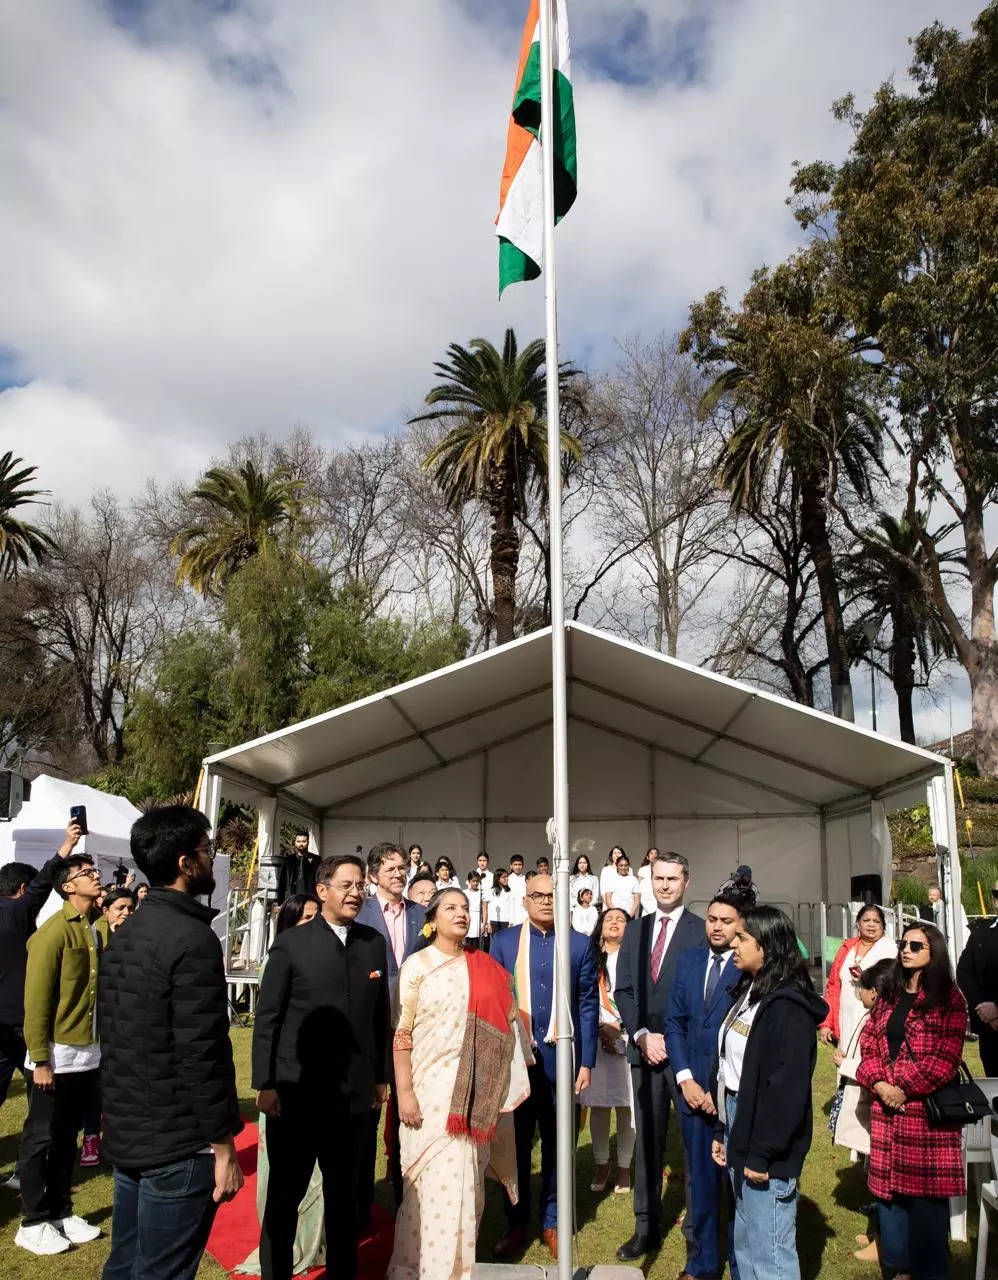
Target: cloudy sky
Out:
[227,216]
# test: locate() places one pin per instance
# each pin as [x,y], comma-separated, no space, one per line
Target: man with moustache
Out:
[646,967]
[527,951]
[698,1005]
[321,1047]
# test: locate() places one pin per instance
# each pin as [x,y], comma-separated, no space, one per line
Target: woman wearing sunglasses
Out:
[911,1046]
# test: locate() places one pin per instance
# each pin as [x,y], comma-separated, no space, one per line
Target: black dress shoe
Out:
[638,1246]
[511,1245]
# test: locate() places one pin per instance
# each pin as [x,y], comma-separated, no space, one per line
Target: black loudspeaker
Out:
[14,790]
[866,889]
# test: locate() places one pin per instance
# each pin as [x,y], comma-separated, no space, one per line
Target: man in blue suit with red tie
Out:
[528,952]
[698,1004]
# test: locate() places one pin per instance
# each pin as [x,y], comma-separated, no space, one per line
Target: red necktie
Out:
[658,951]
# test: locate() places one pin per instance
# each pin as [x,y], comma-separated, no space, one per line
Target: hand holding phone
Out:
[78,814]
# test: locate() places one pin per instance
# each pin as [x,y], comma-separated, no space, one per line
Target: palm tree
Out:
[888,571]
[804,407]
[496,452]
[246,512]
[20,542]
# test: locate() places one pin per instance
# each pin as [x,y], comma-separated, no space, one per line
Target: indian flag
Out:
[520,222]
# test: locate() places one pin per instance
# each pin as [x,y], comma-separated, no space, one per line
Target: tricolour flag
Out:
[520,222]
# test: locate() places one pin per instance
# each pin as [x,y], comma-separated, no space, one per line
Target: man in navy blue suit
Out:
[400,923]
[538,1111]
[698,1004]
[646,967]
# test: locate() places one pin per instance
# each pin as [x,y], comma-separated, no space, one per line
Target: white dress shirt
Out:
[673,916]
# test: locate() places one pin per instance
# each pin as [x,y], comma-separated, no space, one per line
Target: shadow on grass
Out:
[813,1234]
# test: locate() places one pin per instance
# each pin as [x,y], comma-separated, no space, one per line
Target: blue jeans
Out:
[765,1222]
[914,1235]
[161,1220]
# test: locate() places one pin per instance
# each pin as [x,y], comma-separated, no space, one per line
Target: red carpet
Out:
[236,1232]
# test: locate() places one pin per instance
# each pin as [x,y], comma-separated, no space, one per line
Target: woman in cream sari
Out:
[460,1070]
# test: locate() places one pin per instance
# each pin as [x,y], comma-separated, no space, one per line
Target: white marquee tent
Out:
[661,753]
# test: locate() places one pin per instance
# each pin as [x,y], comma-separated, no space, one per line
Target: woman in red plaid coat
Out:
[911,1045]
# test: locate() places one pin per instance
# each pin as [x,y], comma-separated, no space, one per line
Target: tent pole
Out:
[565,1074]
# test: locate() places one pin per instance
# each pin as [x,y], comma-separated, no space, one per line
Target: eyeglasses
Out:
[88,873]
[211,849]
[913,947]
[541,897]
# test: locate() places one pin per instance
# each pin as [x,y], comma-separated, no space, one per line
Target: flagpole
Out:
[565,1048]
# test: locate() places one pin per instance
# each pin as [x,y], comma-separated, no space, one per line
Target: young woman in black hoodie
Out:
[767,1050]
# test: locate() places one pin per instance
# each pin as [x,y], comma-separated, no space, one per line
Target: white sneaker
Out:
[77,1230]
[42,1238]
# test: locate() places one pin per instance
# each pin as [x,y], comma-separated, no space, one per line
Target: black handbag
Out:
[959,1102]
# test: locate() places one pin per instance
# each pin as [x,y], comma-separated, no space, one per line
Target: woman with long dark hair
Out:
[609,1085]
[582,878]
[298,909]
[446,875]
[500,900]
[910,1047]
[767,1050]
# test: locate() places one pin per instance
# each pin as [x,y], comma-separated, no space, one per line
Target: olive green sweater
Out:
[60,987]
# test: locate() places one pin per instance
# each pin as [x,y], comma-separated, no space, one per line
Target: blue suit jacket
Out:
[415,917]
[692,1027]
[584,996]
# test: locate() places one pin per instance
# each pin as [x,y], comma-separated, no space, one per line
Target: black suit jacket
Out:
[977,971]
[643,1003]
[322,1020]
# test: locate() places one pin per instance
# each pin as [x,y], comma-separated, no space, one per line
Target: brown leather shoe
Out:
[511,1245]
[551,1240]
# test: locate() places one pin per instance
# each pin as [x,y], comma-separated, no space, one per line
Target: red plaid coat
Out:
[907,1155]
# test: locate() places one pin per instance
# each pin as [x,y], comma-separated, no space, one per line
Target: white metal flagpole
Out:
[565,1048]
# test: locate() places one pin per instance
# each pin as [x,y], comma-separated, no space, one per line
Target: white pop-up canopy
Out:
[661,753]
[40,828]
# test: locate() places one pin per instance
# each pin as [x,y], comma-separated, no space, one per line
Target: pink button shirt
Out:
[395,923]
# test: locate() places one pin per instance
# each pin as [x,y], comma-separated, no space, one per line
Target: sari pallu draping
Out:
[443,1017]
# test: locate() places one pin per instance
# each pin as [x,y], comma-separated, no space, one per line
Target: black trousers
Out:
[48,1145]
[312,1127]
[655,1094]
[12,1055]
[369,1160]
[988,1045]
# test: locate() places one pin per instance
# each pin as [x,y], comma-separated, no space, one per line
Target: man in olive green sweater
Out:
[60,1005]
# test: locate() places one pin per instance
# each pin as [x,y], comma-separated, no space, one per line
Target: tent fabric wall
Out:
[620,792]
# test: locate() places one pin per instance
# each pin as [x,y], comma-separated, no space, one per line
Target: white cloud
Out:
[202,258]
[189,258]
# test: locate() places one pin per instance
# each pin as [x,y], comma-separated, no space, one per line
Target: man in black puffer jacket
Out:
[167,1076]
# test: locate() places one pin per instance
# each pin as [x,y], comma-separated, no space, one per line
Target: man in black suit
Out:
[298,870]
[321,1044]
[977,974]
[400,923]
[646,966]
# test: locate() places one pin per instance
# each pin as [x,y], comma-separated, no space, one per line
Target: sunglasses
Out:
[913,947]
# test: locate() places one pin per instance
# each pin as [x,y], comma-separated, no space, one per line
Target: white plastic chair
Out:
[987,1201]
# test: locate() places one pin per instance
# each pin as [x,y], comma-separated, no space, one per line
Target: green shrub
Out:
[983,870]
[909,890]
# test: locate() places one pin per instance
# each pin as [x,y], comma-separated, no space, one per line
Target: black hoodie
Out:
[772,1128]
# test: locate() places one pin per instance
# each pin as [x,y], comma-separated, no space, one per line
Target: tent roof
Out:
[419,728]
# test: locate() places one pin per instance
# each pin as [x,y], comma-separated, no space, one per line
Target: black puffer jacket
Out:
[168,1084]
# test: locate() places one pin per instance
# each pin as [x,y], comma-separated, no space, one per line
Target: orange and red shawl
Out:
[486,1051]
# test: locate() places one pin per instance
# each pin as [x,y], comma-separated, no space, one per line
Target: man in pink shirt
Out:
[401,922]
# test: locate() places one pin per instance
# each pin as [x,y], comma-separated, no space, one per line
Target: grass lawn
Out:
[828,1218]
